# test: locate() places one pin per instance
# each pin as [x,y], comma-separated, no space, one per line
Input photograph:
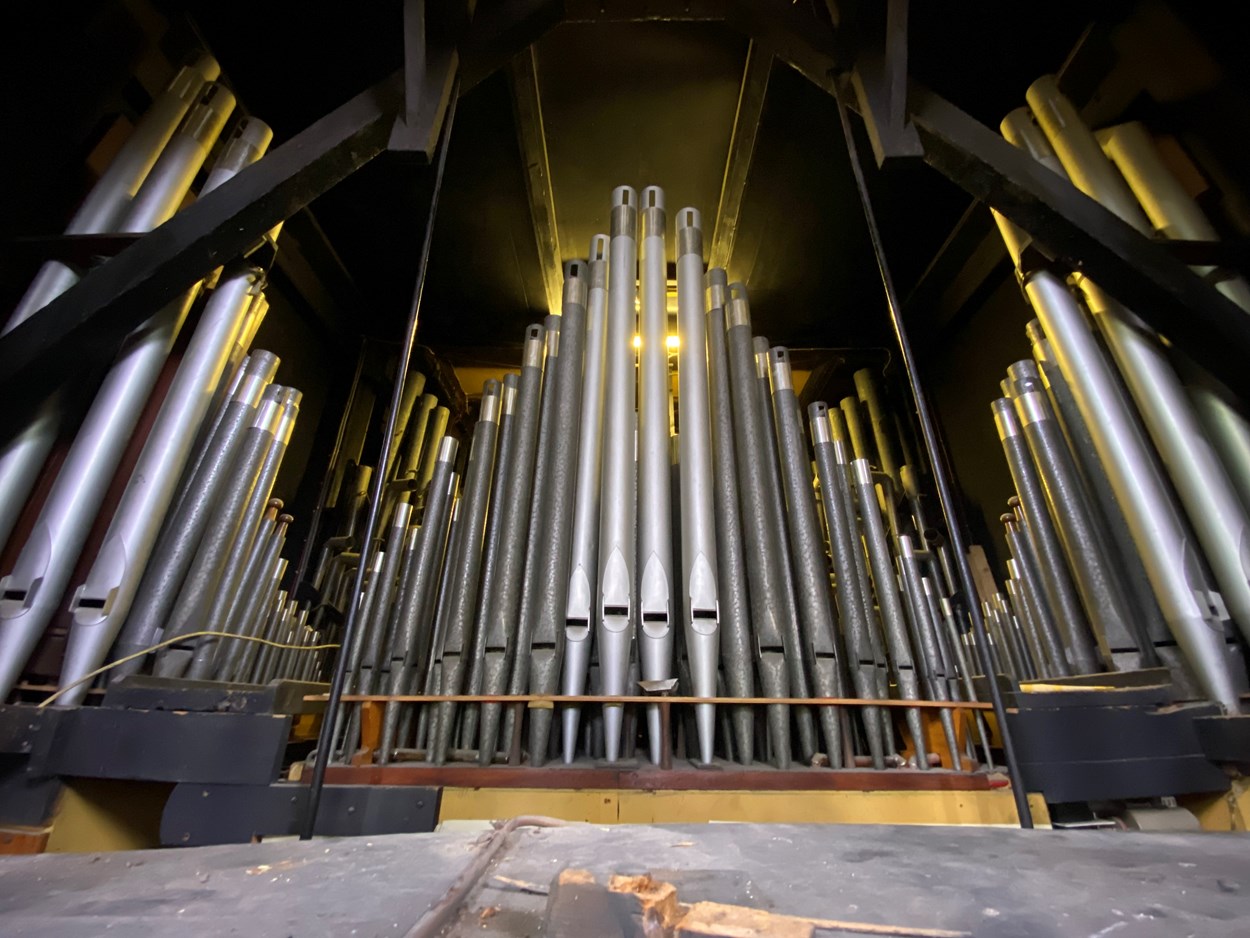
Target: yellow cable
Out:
[169,641]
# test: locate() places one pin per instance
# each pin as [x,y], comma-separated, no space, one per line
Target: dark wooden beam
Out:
[1079,234]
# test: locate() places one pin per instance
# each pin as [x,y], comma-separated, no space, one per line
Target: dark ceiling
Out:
[637,103]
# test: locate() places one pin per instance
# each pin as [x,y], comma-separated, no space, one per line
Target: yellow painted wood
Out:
[603,806]
[597,806]
[98,815]
[1226,812]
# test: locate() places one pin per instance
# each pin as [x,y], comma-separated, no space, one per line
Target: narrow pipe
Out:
[539,669]
[699,607]
[814,599]
[733,603]
[655,513]
[617,610]
[584,556]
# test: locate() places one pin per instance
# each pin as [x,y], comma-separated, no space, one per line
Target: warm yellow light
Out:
[637,341]
[672,343]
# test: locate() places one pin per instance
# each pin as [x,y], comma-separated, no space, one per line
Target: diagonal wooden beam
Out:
[759,64]
[532,136]
[85,325]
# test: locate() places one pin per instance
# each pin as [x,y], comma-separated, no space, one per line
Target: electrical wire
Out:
[169,641]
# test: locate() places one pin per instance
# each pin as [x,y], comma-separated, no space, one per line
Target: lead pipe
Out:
[1173,566]
[851,605]
[1053,661]
[584,552]
[1103,593]
[733,601]
[1056,578]
[814,599]
[537,667]
[1202,482]
[886,586]
[1124,554]
[503,607]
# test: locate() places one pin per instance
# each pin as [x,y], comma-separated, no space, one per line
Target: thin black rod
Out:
[325,738]
[314,526]
[941,470]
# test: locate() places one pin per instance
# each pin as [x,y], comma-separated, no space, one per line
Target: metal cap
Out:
[779,363]
[576,282]
[818,418]
[552,326]
[491,401]
[689,232]
[1005,418]
[717,288]
[624,217]
[532,354]
[448,448]
[247,143]
[257,373]
[760,344]
[598,276]
[738,312]
[651,210]
[510,383]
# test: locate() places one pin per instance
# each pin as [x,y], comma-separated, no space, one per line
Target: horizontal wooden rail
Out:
[541,699]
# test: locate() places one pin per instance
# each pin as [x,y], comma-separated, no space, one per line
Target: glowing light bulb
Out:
[637,341]
[672,343]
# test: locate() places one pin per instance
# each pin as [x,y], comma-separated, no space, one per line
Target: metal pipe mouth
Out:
[689,232]
[510,382]
[490,401]
[717,288]
[1005,418]
[448,448]
[599,246]
[779,361]
[624,215]
[532,355]
[818,417]
[552,337]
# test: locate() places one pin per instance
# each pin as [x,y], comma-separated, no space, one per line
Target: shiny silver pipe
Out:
[699,581]
[580,602]
[1193,613]
[34,588]
[617,611]
[1173,213]
[100,605]
[1023,566]
[1201,480]
[655,513]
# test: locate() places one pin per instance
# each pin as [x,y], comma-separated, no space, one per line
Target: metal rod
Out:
[937,460]
[317,781]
